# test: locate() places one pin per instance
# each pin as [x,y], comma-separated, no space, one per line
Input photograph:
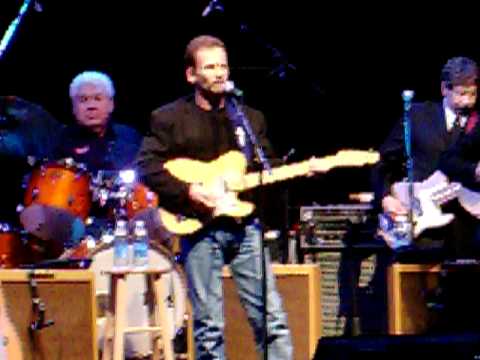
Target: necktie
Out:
[458,122]
[457,128]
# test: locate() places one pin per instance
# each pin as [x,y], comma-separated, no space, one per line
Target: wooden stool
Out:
[116,325]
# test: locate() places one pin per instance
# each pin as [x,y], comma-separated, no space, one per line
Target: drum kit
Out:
[75,198]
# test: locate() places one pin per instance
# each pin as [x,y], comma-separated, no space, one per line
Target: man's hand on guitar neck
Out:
[393,206]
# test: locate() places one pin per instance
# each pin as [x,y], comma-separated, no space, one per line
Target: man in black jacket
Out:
[198,127]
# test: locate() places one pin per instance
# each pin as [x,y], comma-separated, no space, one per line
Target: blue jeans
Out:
[204,257]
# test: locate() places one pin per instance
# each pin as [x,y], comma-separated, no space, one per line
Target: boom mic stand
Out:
[239,119]
[7,37]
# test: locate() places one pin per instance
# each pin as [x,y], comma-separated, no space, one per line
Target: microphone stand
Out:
[407,97]
[238,118]
[7,37]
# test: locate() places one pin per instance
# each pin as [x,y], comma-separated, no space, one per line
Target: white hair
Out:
[92,77]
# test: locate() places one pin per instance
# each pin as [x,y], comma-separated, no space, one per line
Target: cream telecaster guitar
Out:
[229,170]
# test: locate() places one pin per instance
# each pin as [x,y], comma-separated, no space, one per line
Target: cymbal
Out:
[26,129]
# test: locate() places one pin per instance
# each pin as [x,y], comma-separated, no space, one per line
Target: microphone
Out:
[231,89]
[407,96]
[212,6]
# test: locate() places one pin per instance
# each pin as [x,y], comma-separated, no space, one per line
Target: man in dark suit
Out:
[434,127]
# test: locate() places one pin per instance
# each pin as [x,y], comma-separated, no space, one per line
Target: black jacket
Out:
[460,161]
[182,129]
[430,139]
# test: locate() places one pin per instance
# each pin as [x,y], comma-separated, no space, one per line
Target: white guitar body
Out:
[427,214]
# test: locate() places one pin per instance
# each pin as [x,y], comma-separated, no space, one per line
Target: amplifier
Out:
[328,226]
[340,238]
[67,307]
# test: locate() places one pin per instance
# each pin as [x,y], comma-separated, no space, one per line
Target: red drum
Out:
[140,198]
[63,186]
[101,254]
[11,250]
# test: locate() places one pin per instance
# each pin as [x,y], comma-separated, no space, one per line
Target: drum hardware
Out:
[106,238]
[112,188]
[31,160]
[122,193]
[35,192]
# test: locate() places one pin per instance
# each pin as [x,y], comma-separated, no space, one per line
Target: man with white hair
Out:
[96,142]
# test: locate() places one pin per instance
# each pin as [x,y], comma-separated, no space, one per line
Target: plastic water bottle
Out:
[120,244]
[140,244]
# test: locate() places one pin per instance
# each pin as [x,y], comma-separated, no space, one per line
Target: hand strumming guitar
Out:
[393,206]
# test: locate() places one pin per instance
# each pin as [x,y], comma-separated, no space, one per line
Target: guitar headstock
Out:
[344,158]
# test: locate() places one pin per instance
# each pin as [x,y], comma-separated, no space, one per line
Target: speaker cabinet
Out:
[68,297]
[299,287]
[408,287]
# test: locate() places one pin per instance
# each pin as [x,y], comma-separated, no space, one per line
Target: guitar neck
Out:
[281,173]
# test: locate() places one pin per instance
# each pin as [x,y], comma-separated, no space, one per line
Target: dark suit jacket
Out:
[460,160]
[430,139]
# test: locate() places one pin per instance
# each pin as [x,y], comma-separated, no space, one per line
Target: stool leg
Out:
[109,331]
[108,337]
[162,317]
[120,287]
[152,318]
